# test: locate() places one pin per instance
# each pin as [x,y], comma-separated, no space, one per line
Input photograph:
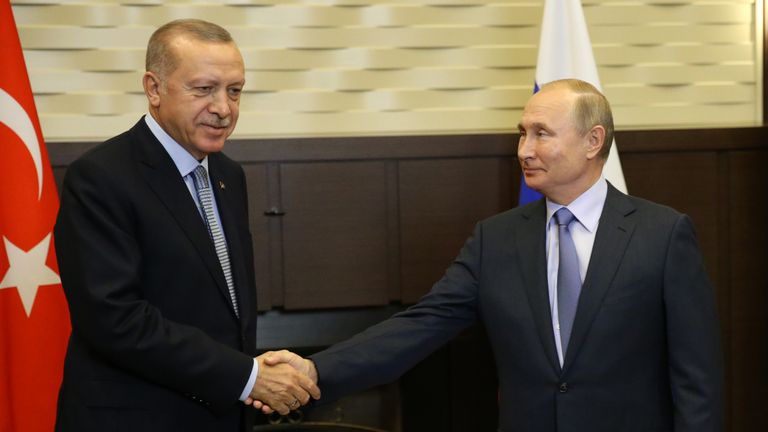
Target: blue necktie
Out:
[205,196]
[568,278]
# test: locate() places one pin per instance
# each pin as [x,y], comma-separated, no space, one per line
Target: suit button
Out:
[563,387]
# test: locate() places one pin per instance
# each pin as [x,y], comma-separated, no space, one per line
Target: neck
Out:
[568,196]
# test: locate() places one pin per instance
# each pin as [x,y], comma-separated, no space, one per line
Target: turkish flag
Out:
[34,319]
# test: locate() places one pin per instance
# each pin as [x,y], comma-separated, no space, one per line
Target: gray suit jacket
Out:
[155,344]
[644,353]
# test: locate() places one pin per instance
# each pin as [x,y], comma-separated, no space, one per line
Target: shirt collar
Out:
[587,207]
[184,161]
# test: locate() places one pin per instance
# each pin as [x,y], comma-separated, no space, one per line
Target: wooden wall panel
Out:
[257,183]
[335,234]
[686,181]
[440,202]
[748,325]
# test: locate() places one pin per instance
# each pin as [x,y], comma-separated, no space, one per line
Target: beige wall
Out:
[368,67]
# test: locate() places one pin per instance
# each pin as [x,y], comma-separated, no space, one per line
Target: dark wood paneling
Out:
[257,182]
[682,140]
[749,290]
[440,202]
[335,234]
[374,147]
[275,235]
[687,182]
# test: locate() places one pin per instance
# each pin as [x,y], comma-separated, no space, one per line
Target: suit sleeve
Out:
[101,268]
[693,335]
[386,350]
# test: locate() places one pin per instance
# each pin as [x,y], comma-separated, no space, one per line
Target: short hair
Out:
[162,60]
[590,109]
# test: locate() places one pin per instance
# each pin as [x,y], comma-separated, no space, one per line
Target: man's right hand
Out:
[283,383]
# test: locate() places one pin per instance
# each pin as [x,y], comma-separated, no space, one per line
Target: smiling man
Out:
[597,304]
[156,262]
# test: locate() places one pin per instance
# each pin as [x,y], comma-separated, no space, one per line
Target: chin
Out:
[532,182]
[210,147]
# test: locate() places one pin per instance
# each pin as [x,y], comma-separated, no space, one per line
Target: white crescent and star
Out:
[27,271]
[17,119]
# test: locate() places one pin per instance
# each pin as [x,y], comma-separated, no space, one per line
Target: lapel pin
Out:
[222,185]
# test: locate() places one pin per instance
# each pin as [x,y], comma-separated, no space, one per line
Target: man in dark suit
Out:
[632,346]
[156,259]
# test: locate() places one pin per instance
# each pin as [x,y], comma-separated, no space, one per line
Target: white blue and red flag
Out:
[566,52]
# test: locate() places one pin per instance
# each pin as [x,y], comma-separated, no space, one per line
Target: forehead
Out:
[191,52]
[550,107]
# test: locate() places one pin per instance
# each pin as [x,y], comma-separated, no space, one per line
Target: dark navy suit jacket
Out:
[155,345]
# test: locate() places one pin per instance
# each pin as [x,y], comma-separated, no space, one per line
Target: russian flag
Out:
[566,52]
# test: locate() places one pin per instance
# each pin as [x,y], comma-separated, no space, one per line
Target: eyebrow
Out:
[534,125]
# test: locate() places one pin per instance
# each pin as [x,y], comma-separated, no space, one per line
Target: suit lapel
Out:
[162,176]
[611,240]
[531,250]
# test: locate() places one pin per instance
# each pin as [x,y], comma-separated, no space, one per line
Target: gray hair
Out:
[590,109]
[162,60]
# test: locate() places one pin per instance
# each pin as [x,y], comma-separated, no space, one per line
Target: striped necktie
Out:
[205,196]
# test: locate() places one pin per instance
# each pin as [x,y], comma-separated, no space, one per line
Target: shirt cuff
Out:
[251,380]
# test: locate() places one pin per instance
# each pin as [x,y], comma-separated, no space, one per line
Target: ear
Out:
[152,84]
[595,141]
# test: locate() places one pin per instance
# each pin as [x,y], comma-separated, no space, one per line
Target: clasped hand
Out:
[285,382]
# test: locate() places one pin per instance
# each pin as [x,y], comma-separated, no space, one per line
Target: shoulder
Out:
[113,153]
[648,210]
[532,210]
[109,157]
[652,219]
[111,163]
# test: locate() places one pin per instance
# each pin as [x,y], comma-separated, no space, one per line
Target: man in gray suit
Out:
[631,344]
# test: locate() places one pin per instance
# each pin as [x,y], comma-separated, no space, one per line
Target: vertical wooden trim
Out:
[723,283]
[275,225]
[507,194]
[393,231]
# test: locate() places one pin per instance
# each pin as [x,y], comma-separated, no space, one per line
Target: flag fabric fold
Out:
[34,320]
[565,51]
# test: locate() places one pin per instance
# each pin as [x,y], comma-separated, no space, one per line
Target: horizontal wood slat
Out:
[405,99]
[132,59]
[49,81]
[403,14]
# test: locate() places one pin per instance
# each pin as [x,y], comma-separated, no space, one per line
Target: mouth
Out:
[216,129]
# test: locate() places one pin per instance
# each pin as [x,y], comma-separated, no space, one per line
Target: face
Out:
[198,103]
[555,158]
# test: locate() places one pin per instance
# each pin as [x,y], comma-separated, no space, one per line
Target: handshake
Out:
[285,382]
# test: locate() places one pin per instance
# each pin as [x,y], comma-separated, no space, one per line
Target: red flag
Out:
[34,320]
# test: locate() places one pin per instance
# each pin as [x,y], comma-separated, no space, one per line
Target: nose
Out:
[525,148]
[220,104]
